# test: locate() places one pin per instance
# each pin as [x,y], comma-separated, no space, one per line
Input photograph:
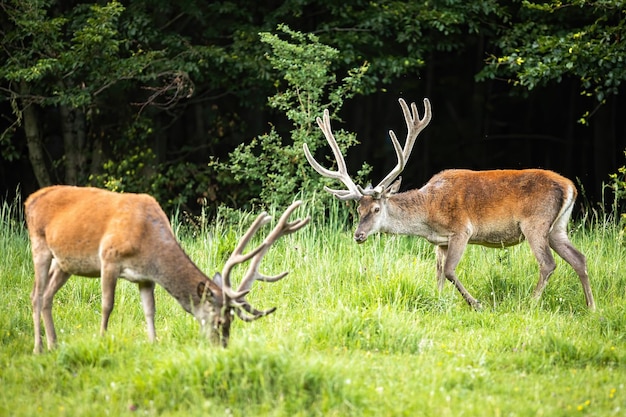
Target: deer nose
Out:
[360,237]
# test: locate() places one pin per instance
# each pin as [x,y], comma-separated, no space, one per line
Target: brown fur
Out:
[492,208]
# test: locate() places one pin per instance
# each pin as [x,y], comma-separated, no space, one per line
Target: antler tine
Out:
[414,124]
[414,127]
[282,228]
[254,313]
[353,192]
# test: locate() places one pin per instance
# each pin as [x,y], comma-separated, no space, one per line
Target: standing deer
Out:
[93,232]
[496,208]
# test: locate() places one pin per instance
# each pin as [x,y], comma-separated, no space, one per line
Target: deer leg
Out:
[562,245]
[440,256]
[109,281]
[58,278]
[456,247]
[42,259]
[541,249]
[146,290]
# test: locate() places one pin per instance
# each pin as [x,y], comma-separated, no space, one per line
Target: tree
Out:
[580,39]
[272,168]
[149,91]
[65,61]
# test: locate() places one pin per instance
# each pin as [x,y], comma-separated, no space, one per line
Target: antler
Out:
[353,192]
[282,228]
[414,127]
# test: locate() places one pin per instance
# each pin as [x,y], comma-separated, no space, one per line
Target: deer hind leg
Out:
[146,290]
[440,255]
[456,247]
[109,281]
[538,241]
[42,259]
[58,278]
[566,250]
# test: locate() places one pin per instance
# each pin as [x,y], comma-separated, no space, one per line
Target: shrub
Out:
[274,168]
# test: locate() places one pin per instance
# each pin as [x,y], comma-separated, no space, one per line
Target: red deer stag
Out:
[496,208]
[97,233]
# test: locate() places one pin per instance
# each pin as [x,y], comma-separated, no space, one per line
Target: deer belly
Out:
[77,265]
[497,237]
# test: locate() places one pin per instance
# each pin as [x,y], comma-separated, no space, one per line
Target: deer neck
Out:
[178,275]
[406,214]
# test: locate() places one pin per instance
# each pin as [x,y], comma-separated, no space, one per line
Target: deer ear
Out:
[394,188]
[206,289]
[217,279]
[374,192]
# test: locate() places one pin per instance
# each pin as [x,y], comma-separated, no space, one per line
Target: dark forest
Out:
[157,96]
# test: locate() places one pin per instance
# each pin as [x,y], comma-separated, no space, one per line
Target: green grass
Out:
[360,330]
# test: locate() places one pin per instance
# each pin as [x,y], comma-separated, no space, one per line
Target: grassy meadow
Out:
[360,330]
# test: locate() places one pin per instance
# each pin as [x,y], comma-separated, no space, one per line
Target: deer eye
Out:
[376,209]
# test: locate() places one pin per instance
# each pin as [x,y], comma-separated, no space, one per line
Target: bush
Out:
[274,168]
[618,187]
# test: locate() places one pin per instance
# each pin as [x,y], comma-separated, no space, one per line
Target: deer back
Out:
[484,197]
[84,226]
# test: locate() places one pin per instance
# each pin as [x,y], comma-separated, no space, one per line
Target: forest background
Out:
[207,103]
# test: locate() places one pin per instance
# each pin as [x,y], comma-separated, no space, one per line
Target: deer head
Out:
[372,206]
[216,318]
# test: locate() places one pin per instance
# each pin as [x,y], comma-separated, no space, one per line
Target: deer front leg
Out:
[146,290]
[440,256]
[456,247]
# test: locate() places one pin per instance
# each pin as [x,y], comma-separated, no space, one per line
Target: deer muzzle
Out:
[360,237]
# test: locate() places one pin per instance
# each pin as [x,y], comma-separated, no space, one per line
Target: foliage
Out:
[72,58]
[399,38]
[618,186]
[81,58]
[368,335]
[272,168]
[139,171]
[581,39]
[182,63]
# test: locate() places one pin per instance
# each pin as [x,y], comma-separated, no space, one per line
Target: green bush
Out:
[172,184]
[618,187]
[274,168]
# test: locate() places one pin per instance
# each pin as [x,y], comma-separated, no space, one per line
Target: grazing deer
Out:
[93,232]
[492,208]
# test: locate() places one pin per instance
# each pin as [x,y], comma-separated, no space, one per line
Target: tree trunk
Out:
[73,127]
[97,156]
[33,140]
